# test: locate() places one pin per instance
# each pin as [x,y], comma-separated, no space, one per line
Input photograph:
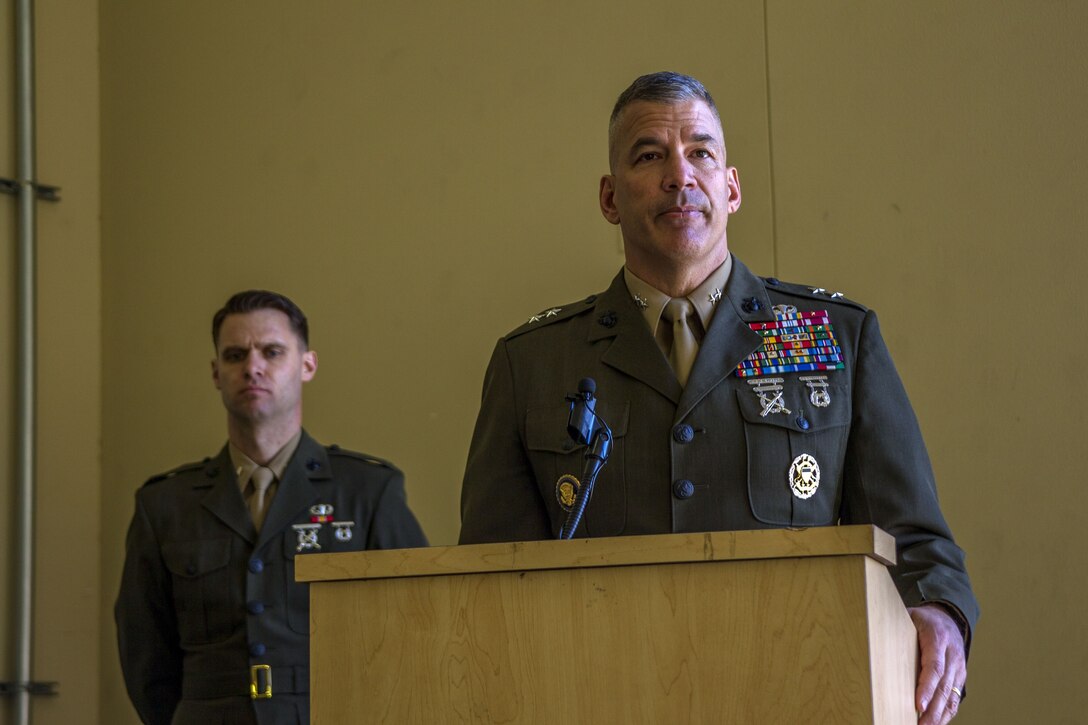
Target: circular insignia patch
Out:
[804,476]
[566,490]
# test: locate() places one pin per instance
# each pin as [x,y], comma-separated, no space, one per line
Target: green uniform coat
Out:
[203,597]
[704,457]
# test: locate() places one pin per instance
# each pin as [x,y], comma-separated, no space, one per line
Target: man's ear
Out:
[732,181]
[608,199]
[309,365]
[215,374]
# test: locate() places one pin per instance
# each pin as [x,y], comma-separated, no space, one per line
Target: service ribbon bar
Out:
[795,342]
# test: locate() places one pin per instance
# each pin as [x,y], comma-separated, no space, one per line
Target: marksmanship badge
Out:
[307,537]
[342,530]
[817,384]
[769,391]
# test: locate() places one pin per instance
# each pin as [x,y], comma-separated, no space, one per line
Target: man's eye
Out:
[701,154]
[273,352]
[649,156]
[233,356]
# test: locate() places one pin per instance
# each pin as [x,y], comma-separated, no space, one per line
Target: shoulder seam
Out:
[335,450]
[551,315]
[184,468]
[809,292]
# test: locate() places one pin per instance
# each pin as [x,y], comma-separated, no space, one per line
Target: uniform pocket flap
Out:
[546,425]
[797,399]
[196,558]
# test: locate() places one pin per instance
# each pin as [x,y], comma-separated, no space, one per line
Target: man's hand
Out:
[944,665]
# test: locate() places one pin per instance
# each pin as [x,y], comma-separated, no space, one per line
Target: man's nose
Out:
[254,365]
[679,174]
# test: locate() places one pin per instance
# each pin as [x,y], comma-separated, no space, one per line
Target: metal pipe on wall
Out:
[26,379]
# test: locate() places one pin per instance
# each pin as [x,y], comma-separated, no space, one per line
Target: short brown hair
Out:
[259,299]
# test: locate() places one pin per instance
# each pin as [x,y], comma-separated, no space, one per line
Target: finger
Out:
[944,704]
[933,667]
[951,708]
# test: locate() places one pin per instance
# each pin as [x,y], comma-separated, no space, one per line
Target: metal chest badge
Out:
[307,537]
[342,530]
[321,513]
[769,391]
[817,385]
[804,476]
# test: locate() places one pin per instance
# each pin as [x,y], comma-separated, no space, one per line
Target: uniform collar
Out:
[244,465]
[651,301]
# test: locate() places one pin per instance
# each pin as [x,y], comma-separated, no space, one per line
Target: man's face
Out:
[260,367]
[670,189]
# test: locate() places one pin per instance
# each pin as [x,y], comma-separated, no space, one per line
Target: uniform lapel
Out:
[225,500]
[633,350]
[296,491]
[729,339]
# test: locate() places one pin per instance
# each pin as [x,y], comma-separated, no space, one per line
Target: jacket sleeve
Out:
[500,500]
[394,526]
[147,631]
[889,482]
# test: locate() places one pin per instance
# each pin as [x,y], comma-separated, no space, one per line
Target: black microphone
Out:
[586,427]
[582,423]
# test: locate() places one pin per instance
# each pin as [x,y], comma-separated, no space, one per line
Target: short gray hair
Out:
[660,87]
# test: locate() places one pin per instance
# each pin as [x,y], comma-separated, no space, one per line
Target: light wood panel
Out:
[612,551]
[724,638]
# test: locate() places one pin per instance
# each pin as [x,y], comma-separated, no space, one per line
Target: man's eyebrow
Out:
[647,141]
[704,138]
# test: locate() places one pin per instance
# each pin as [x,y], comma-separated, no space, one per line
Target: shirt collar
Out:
[651,301]
[244,465]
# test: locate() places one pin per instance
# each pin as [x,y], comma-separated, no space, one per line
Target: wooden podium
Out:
[775,626]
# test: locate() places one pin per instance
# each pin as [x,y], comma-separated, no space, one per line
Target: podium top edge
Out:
[860,540]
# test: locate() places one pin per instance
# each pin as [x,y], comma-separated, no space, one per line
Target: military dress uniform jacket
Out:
[705,457]
[204,598]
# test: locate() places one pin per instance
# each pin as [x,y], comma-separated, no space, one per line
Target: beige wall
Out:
[67,590]
[421,177]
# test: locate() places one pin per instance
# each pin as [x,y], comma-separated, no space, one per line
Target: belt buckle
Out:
[256,691]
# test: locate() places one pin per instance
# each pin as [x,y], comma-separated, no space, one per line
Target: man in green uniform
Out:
[211,625]
[735,402]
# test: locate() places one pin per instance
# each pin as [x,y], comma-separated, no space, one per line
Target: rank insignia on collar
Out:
[640,301]
[566,491]
[307,537]
[342,530]
[321,513]
[804,476]
[715,296]
[769,391]
[817,385]
[795,342]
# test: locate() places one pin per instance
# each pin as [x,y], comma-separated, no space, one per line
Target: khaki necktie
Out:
[684,348]
[259,482]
